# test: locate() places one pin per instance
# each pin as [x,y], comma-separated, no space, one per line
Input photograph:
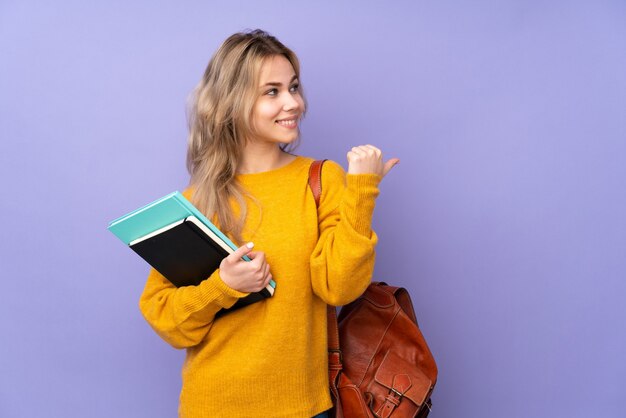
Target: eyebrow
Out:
[278,84]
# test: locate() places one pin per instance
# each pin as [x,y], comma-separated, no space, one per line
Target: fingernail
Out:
[250,244]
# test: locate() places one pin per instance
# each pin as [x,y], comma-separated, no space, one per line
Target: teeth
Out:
[286,122]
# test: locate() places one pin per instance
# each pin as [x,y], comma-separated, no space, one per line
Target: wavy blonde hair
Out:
[220,123]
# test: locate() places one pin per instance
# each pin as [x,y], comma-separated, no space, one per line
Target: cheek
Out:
[265,112]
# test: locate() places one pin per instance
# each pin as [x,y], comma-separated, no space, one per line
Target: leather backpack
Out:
[383,367]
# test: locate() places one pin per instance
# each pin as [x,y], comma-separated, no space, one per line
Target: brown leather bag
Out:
[383,368]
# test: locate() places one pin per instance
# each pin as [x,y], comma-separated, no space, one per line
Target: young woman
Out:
[268,359]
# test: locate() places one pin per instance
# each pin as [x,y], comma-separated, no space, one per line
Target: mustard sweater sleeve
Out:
[183,316]
[342,262]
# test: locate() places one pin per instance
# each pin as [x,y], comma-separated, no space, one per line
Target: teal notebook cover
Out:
[158,214]
[153,216]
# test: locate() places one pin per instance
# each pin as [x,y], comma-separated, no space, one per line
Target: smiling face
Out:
[279,106]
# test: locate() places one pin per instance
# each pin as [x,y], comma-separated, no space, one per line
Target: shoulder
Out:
[332,173]
[333,179]
[188,193]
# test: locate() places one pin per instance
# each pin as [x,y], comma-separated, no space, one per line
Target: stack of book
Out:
[175,238]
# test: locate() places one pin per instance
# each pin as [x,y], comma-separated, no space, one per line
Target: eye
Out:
[294,88]
[272,92]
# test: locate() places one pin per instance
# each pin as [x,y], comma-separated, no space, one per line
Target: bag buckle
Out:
[398,394]
[338,352]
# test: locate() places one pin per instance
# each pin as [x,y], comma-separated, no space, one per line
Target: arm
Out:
[183,316]
[342,262]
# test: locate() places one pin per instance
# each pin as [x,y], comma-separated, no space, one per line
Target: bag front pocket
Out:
[398,378]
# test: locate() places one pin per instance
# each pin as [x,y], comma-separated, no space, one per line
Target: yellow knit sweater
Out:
[269,359]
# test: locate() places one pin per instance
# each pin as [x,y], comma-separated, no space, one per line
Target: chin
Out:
[289,140]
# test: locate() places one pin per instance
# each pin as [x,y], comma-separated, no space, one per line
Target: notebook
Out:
[175,238]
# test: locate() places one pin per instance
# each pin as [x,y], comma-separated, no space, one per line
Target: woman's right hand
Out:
[367,159]
[245,276]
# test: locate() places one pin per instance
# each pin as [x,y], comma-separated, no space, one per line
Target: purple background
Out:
[505,218]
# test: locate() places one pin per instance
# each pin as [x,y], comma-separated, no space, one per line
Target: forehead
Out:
[276,68]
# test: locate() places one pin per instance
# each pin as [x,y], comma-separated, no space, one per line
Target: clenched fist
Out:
[367,159]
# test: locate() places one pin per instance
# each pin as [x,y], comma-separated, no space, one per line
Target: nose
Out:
[291,103]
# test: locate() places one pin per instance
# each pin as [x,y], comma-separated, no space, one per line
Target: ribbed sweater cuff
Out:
[213,291]
[360,199]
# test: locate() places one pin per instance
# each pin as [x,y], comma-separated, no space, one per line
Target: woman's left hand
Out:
[367,159]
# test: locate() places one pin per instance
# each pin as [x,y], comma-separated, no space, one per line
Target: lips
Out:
[288,123]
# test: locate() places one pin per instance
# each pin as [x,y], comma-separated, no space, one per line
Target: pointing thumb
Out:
[389,165]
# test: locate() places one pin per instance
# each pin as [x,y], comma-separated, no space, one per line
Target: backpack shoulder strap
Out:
[315,184]
[315,180]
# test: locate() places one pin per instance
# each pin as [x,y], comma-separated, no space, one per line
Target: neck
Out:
[257,158]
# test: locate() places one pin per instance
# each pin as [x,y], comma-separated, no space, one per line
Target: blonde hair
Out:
[220,123]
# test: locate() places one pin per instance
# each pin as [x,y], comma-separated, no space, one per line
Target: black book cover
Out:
[186,256]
